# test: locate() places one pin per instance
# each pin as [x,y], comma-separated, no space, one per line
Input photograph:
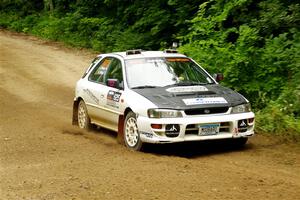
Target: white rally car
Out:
[159,97]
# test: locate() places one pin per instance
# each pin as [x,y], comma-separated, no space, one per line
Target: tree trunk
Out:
[49,5]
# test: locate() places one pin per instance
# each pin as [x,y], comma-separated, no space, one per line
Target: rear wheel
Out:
[83,117]
[131,133]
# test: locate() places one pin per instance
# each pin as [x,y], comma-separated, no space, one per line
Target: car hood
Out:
[189,97]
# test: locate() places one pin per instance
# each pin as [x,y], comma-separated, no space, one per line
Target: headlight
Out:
[163,113]
[241,108]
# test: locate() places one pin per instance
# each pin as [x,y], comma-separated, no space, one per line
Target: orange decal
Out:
[105,63]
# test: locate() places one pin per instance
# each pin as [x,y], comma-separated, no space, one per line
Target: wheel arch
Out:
[127,110]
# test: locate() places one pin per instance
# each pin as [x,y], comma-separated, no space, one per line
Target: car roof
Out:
[144,54]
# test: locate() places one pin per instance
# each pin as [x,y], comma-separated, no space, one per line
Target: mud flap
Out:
[75,113]
[120,137]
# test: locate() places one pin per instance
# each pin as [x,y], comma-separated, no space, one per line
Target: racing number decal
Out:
[113,98]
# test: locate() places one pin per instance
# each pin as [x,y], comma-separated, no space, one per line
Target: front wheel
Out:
[131,133]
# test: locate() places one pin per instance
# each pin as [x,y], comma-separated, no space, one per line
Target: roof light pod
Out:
[170,51]
[134,51]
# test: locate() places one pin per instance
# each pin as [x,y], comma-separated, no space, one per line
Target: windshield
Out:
[160,72]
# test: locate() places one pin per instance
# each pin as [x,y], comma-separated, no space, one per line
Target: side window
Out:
[114,71]
[99,71]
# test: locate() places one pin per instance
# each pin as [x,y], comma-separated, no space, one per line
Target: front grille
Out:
[206,111]
[191,129]
[225,127]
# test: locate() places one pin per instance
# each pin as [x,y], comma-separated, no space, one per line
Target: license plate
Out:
[209,129]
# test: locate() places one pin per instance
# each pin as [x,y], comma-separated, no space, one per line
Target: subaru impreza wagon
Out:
[159,97]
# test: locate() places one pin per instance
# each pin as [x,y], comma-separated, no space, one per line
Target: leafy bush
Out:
[256,46]
[274,120]
[6,19]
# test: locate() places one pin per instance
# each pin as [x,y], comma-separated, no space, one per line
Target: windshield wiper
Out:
[144,86]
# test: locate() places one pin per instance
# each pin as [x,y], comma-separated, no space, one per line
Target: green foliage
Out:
[104,25]
[6,19]
[274,120]
[255,44]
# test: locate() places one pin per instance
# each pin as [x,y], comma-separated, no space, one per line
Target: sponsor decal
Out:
[149,135]
[187,89]
[172,130]
[154,60]
[242,126]
[91,95]
[242,123]
[113,98]
[206,100]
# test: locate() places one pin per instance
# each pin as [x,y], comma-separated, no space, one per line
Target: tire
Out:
[131,133]
[83,117]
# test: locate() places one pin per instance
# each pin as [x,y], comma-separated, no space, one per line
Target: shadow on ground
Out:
[196,149]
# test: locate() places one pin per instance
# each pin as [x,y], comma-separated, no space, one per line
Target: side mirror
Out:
[219,77]
[115,83]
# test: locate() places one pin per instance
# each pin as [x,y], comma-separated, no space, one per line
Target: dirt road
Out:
[44,157]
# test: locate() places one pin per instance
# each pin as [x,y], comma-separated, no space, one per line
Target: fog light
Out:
[251,120]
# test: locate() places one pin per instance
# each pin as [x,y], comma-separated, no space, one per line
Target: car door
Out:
[104,108]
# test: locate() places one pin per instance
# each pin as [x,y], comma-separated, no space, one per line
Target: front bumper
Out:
[189,127]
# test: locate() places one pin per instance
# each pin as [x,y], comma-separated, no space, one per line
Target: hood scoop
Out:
[195,93]
[187,89]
